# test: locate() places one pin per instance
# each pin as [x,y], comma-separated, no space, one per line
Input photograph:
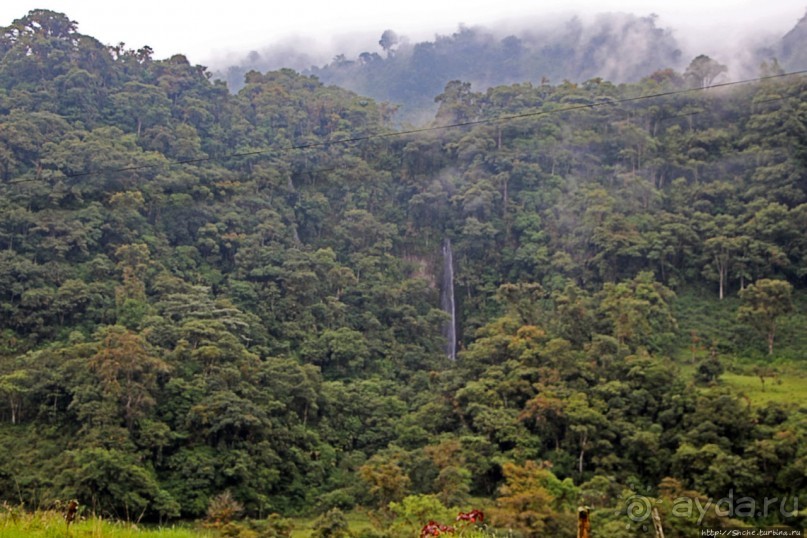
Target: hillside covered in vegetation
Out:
[204,293]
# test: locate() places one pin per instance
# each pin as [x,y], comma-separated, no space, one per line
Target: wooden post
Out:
[70,512]
[583,523]
[657,523]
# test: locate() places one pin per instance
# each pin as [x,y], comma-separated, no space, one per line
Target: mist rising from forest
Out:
[738,44]
[617,47]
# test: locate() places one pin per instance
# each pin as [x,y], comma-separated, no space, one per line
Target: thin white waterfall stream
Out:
[447,301]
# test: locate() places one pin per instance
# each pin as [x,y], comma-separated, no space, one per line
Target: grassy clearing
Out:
[785,381]
[785,388]
[49,524]
[787,385]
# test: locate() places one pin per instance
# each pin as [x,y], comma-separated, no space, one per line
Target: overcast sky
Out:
[206,31]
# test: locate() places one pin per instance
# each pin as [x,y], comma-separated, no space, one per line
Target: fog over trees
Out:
[617,47]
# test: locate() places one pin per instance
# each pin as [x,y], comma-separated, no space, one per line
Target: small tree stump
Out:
[583,523]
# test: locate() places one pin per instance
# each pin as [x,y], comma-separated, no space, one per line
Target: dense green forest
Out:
[210,298]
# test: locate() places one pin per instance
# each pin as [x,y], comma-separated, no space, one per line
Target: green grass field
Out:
[15,523]
[786,388]
[787,385]
[48,524]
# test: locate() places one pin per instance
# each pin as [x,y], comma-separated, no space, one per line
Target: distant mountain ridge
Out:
[615,46]
[792,49]
[618,47]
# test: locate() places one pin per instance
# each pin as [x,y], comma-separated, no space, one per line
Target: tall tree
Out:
[703,70]
[764,302]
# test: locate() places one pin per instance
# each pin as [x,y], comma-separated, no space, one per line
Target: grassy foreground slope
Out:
[50,524]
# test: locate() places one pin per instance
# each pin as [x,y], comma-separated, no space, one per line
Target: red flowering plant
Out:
[474,516]
[465,520]
[432,528]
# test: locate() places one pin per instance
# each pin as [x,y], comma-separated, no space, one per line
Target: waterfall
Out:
[447,301]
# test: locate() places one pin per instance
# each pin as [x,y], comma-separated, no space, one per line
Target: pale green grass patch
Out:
[49,524]
[785,388]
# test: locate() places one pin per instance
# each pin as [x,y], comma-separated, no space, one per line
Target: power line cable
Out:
[421,130]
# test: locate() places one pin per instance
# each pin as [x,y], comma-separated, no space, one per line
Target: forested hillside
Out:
[204,293]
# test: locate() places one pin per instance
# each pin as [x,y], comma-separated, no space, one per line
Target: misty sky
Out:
[207,31]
